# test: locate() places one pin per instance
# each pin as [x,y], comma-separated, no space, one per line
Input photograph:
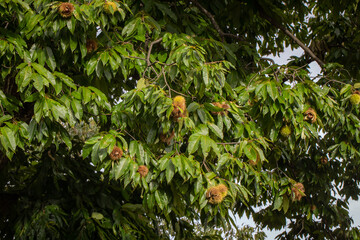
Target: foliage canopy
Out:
[94,146]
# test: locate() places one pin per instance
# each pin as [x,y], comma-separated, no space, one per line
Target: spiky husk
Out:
[313,207]
[223,189]
[179,104]
[166,138]
[91,45]
[223,105]
[298,191]
[285,131]
[324,160]
[355,99]
[310,115]
[214,195]
[143,170]
[116,153]
[108,5]
[66,10]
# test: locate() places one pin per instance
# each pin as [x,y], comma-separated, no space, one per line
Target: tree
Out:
[149,119]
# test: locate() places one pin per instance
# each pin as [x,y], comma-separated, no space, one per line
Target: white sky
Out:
[354,206]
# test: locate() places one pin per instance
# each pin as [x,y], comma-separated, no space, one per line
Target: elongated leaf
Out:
[170,171]
[10,137]
[216,130]
[193,143]
[44,72]
[121,168]
[97,216]
[205,73]
[90,67]
[278,203]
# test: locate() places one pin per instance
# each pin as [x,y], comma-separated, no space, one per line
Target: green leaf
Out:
[65,79]
[170,171]
[44,72]
[224,159]
[50,59]
[271,89]
[163,163]
[90,67]
[285,203]
[159,199]
[216,130]
[278,203]
[205,144]
[250,152]
[10,137]
[107,140]
[205,73]
[5,118]
[130,27]
[38,81]
[66,137]
[192,107]
[193,143]
[133,148]
[121,168]
[97,216]
[345,89]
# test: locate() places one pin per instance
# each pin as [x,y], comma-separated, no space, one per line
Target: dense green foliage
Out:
[81,77]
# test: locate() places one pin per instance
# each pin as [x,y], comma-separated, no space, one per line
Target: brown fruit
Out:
[91,45]
[166,137]
[179,104]
[324,160]
[223,105]
[66,9]
[143,170]
[116,153]
[313,207]
[310,115]
[214,195]
[298,191]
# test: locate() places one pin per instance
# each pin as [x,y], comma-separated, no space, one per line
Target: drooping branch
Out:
[215,24]
[292,36]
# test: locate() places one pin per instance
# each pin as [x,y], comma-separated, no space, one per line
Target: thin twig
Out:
[333,80]
[50,156]
[205,165]
[208,63]
[106,34]
[129,134]
[150,49]
[268,59]
[2,109]
[163,73]
[215,24]
[292,36]
[229,143]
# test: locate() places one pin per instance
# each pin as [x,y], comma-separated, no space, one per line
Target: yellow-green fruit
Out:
[355,99]
[109,5]
[285,131]
[223,189]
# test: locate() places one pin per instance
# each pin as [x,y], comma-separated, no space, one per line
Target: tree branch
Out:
[292,36]
[150,49]
[215,24]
